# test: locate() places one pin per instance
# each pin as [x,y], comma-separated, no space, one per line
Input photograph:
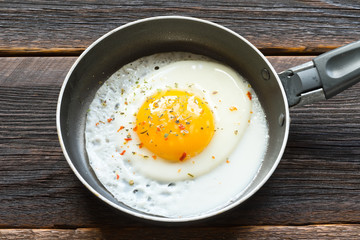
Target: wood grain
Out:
[313,194]
[40,27]
[249,232]
[317,181]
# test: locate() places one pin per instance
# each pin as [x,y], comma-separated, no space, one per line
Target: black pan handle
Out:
[323,77]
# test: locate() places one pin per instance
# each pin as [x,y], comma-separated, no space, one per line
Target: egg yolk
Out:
[175,125]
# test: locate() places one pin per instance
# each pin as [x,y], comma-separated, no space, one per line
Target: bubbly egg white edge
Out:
[244,171]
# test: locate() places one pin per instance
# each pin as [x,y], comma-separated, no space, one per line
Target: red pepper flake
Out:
[249,95]
[182,127]
[154,157]
[233,108]
[128,139]
[213,157]
[117,176]
[227,160]
[183,156]
[135,128]
[141,145]
[126,103]
[158,129]
[109,120]
[123,152]
[97,124]
[121,128]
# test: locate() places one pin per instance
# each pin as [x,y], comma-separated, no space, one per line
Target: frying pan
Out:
[322,78]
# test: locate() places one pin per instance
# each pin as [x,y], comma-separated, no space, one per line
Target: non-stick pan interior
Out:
[150,36]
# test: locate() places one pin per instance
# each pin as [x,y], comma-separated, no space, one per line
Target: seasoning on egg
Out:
[128,138]
[183,156]
[232,108]
[248,94]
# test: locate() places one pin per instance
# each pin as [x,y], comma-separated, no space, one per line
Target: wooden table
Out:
[314,193]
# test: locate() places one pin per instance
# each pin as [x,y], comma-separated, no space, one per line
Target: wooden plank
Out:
[317,181]
[51,71]
[248,232]
[283,27]
[34,71]
[76,234]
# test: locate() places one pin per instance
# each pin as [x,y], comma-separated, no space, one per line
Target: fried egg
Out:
[163,131]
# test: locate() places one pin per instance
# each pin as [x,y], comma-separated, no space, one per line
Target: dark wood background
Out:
[313,194]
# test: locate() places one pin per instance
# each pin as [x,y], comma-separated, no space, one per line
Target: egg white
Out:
[159,188]
[221,87]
